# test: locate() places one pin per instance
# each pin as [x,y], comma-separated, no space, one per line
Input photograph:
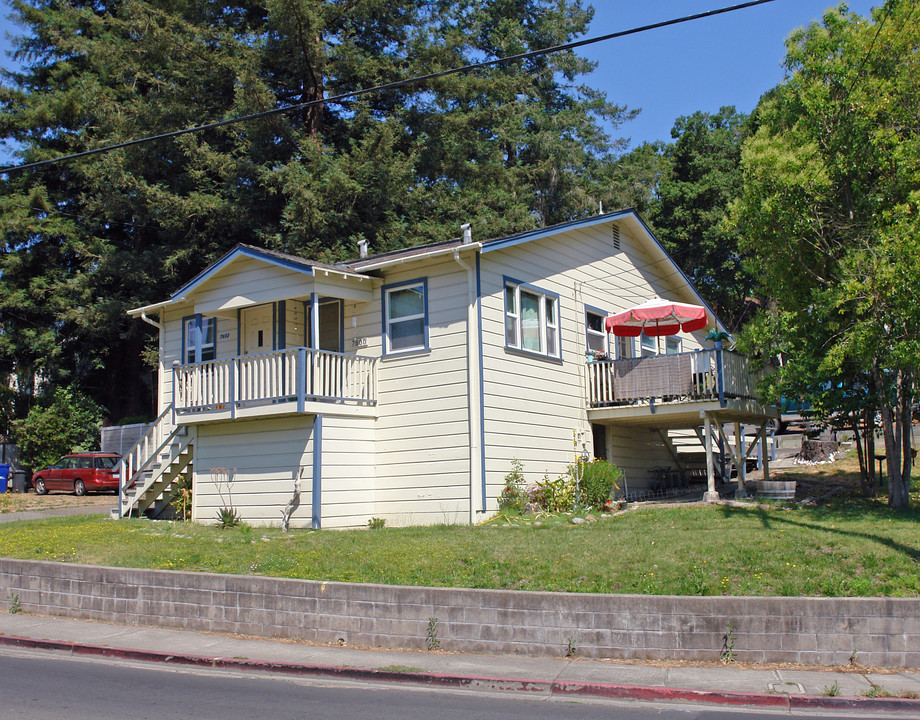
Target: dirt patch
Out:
[25,502]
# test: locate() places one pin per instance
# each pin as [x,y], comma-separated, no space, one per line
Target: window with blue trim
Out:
[595,332]
[200,338]
[405,316]
[531,320]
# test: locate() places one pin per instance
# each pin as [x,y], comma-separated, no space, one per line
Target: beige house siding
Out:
[423,441]
[255,281]
[348,480]
[534,406]
[264,458]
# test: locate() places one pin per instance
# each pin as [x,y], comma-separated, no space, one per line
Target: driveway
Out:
[29,506]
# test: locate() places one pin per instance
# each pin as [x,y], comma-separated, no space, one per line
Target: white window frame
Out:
[648,345]
[590,333]
[672,341]
[548,335]
[420,285]
[195,330]
[626,347]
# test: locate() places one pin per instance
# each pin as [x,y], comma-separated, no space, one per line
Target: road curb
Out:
[542,687]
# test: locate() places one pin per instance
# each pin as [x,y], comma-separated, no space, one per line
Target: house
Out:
[402,385]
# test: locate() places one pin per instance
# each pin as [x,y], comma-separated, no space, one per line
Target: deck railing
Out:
[702,375]
[294,375]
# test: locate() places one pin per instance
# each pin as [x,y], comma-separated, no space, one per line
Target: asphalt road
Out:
[37,685]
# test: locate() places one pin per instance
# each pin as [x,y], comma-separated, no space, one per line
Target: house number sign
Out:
[359,342]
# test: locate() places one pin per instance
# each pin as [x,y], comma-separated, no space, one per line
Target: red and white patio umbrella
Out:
[658,317]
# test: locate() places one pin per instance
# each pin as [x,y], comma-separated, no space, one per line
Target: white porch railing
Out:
[703,375]
[146,447]
[295,375]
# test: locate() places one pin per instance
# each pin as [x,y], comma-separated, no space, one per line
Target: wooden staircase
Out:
[153,468]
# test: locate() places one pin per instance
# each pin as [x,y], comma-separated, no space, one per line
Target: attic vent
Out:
[615,230]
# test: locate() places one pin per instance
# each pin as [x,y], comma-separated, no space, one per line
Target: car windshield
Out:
[106,463]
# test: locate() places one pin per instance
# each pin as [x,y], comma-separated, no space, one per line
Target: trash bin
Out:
[4,477]
[19,481]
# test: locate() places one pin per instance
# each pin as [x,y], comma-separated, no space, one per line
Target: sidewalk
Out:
[797,690]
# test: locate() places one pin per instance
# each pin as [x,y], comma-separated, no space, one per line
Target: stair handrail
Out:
[146,448]
[140,489]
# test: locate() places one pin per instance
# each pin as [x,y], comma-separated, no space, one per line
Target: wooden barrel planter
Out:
[776,489]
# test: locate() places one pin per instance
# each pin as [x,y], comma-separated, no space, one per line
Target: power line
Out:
[390,86]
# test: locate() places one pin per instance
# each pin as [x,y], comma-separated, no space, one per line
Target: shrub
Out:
[65,422]
[555,495]
[512,497]
[599,479]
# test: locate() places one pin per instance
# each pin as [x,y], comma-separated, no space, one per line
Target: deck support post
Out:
[710,495]
[741,461]
[764,453]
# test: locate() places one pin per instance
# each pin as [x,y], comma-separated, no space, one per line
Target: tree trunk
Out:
[869,424]
[866,477]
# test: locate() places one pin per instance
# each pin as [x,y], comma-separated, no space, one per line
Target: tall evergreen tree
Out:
[702,177]
[506,148]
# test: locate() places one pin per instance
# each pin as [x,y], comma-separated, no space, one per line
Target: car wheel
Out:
[40,488]
[79,488]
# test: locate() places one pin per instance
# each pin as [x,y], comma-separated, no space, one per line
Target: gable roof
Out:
[272,257]
[358,267]
[628,215]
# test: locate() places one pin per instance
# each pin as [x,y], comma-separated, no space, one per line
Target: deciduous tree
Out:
[830,216]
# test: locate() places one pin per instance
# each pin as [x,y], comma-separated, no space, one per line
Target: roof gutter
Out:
[364,267]
[141,312]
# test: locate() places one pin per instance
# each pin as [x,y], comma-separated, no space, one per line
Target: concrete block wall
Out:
[824,631]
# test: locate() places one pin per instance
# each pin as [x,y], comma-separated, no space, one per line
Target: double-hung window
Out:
[531,319]
[200,339]
[595,331]
[405,316]
[649,345]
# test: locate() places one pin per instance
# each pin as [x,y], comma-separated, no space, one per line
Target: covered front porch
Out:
[707,394]
[281,382]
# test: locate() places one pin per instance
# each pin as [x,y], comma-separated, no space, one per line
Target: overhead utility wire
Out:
[390,86]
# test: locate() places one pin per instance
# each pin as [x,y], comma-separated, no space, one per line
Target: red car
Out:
[79,473]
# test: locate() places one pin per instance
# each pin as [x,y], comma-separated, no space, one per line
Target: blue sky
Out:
[731,59]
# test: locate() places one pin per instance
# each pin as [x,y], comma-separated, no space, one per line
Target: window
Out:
[672,346]
[624,348]
[200,335]
[406,316]
[649,345]
[531,319]
[595,331]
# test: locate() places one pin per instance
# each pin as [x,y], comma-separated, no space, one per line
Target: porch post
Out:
[316,499]
[720,377]
[742,461]
[711,495]
[301,379]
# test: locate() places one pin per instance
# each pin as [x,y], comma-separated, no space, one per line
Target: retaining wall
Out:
[827,631]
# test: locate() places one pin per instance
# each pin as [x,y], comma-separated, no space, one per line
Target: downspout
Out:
[150,321]
[472,384]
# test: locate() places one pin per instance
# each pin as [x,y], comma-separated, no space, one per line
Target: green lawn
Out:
[844,545]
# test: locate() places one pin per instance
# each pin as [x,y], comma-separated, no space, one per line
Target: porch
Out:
[672,397]
[294,380]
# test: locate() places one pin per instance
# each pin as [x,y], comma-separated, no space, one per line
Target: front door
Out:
[257,329]
[330,326]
